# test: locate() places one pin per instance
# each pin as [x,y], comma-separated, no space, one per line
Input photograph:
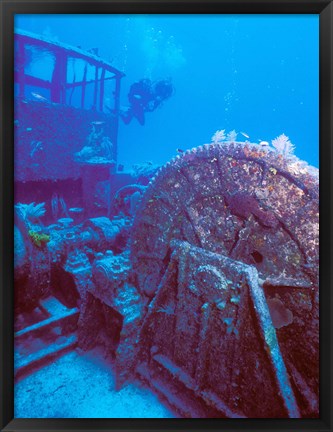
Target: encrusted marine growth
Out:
[244,204]
[235,199]
[256,206]
[39,239]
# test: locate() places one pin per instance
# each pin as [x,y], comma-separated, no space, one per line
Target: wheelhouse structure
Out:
[64,98]
[69,71]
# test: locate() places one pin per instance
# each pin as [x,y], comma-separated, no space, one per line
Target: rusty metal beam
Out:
[43,42]
[96,88]
[84,83]
[80,83]
[271,342]
[101,93]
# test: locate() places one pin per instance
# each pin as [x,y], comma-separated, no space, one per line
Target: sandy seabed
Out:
[76,386]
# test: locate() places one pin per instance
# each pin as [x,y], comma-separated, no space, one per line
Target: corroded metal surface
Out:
[209,327]
[251,204]
[259,208]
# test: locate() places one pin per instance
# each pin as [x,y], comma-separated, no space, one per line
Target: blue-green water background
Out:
[258,74]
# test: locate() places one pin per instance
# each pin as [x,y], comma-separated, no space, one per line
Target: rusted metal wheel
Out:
[251,204]
[256,206]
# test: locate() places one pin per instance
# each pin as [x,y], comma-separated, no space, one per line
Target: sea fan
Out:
[219,136]
[31,211]
[283,145]
[232,135]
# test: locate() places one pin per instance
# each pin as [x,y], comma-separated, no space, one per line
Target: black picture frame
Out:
[9,8]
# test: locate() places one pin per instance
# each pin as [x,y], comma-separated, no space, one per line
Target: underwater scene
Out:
[166,216]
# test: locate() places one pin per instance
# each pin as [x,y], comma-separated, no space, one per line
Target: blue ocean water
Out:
[257,74]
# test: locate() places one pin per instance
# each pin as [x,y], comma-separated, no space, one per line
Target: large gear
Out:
[258,207]
[247,202]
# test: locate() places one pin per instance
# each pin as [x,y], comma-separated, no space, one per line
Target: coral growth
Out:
[283,145]
[144,172]
[31,212]
[39,239]
[232,135]
[219,136]
[98,148]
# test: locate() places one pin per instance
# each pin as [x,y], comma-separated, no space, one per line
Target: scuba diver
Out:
[145,96]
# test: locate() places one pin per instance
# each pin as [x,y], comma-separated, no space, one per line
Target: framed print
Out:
[165,254]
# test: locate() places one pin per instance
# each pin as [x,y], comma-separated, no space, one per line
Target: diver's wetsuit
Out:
[145,97]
